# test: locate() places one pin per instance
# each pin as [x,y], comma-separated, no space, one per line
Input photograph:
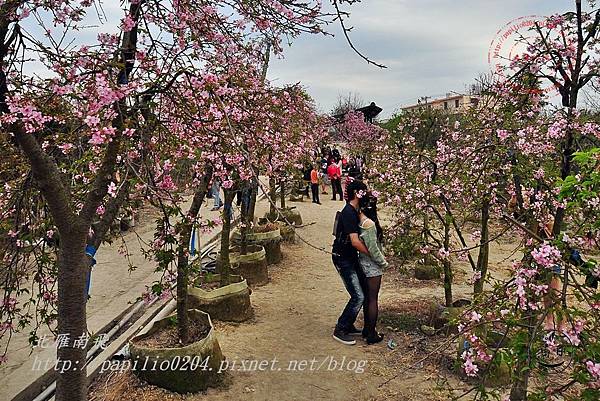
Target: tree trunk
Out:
[182,284]
[183,257]
[447,265]
[484,248]
[253,196]
[272,195]
[225,264]
[282,194]
[572,89]
[565,172]
[72,275]
[245,221]
[73,265]
[520,382]
[518,391]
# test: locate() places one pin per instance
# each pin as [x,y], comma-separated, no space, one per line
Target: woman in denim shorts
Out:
[373,264]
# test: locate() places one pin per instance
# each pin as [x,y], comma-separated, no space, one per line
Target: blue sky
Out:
[431,47]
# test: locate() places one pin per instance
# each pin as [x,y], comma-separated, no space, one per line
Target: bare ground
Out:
[295,316]
[114,288]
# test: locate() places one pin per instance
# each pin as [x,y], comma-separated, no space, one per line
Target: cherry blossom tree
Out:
[360,135]
[84,125]
[545,313]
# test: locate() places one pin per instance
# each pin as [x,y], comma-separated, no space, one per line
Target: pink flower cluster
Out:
[546,255]
[593,369]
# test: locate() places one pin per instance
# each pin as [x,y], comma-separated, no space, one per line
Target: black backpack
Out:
[306,176]
[339,240]
[337,231]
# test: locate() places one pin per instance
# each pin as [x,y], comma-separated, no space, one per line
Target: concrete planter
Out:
[270,240]
[427,272]
[230,303]
[291,216]
[186,369]
[288,233]
[127,222]
[252,265]
[442,316]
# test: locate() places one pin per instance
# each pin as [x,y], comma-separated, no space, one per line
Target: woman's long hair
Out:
[368,205]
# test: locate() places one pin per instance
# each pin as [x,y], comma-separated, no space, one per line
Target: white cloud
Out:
[431,47]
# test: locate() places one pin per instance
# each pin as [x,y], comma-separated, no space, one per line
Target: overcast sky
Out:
[431,47]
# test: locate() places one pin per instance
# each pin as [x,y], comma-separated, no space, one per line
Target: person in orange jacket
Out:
[314,184]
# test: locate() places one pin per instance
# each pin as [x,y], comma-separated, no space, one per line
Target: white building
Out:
[453,103]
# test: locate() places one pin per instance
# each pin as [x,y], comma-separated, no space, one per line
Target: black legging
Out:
[371,305]
[336,187]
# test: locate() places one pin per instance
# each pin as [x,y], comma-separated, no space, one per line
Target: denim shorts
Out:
[370,268]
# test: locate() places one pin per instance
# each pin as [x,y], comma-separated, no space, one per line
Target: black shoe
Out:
[318,203]
[354,331]
[377,338]
[343,337]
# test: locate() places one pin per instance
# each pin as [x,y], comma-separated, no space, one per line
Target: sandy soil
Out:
[295,316]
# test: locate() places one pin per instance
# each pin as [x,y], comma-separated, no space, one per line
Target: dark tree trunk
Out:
[272,196]
[72,275]
[73,228]
[447,265]
[183,257]
[520,382]
[253,197]
[182,284]
[225,264]
[282,194]
[245,221]
[72,268]
[570,95]
[484,248]
[518,392]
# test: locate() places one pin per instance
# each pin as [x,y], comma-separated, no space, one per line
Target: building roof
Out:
[370,112]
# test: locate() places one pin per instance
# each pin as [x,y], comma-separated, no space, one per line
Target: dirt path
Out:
[295,316]
[291,332]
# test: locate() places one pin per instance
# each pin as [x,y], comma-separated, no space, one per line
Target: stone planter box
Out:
[291,216]
[288,233]
[442,316]
[252,265]
[230,303]
[186,369]
[427,272]
[270,240]
[499,371]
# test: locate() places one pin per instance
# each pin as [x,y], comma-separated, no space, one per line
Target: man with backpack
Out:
[345,250]
[306,173]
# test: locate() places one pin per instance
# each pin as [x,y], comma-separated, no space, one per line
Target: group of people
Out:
[358,258]
[214,193]
[357,249]
[332,169]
